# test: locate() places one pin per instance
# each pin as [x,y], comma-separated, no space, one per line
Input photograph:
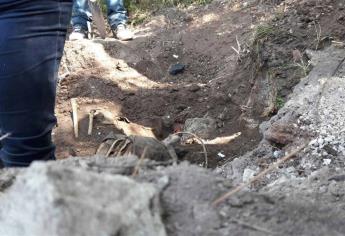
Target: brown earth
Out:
[131,79]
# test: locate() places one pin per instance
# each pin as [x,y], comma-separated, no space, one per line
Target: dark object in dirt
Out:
[176,69]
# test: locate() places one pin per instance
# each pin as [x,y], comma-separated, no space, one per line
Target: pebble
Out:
[176,69]
[277,154]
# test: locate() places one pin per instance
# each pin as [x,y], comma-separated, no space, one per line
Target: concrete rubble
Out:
[87,196]
[50,199]
[314,115]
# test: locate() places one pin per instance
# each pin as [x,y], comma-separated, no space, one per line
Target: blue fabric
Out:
[31,44]
[115,10]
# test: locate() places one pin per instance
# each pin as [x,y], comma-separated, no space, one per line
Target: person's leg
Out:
[117,17]
[116,13]
[81,14]
[31,44]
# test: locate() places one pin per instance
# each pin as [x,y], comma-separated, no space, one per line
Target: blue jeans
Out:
[81,13]
[31,45]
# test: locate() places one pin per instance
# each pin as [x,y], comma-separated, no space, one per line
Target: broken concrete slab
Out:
[50,199]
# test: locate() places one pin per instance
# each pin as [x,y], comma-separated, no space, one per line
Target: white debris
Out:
[326,162]
[277,154]
[221,155]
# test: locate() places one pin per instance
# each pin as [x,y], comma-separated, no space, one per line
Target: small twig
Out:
[259,176]
[201,142]
[222,140]
[218,78]
[238,50]
[251,226]
[5,136]
[136,168]
[75,117]
[112,147]
[123,148]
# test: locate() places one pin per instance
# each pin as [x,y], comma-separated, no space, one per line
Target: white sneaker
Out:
[121,32]
[78,34]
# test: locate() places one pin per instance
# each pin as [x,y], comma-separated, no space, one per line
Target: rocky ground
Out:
[283,89]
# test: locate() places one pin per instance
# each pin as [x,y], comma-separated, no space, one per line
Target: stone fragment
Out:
[281,134]
[203,127]
[248,174]
[55,200]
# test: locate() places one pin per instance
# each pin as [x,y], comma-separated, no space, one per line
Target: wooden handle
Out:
[75,117]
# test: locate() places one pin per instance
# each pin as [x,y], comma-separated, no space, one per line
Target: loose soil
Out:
[131,79]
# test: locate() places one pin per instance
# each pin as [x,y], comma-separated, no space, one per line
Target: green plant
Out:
[262,32]
[304,66]
[279,102]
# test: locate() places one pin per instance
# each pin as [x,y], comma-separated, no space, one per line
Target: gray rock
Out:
[248,174]
[187,199]
[55,200]
[203,127]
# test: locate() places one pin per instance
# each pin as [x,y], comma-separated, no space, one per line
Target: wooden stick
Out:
[259,176]
[75,117]
[112,147]
[137,166]
[91,117]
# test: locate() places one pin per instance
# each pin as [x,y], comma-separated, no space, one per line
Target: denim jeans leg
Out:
[81,14]
[31,47]
[117,13]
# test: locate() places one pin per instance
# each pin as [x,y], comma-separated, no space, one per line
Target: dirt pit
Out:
[130,81]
